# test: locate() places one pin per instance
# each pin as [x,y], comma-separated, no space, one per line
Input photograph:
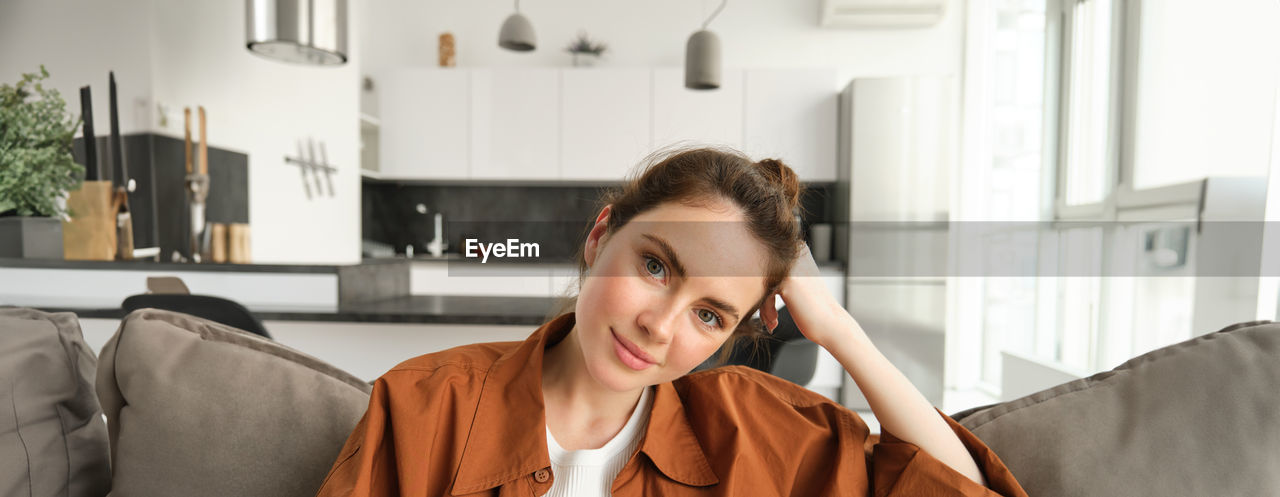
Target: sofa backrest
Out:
[52,437]
[197,408]
[1201,417]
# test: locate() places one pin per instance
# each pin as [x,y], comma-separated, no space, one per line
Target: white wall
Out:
[177,53]
[755,33]
[1206,88]
[79,41]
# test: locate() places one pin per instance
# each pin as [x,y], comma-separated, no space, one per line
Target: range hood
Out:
[312,32]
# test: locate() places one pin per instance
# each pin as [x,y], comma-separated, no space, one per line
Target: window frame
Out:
[1122,81]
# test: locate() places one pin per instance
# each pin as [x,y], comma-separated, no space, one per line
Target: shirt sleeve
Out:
[899,468]
[366,466]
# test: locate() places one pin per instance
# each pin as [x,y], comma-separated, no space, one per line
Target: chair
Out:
[215,309]
[786,354]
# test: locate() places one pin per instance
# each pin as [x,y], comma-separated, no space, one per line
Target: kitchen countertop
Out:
[395,307]
[422,309]
[456,257]
[179,266]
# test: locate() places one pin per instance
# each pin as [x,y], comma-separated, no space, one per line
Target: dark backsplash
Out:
[556,216]
[158,204]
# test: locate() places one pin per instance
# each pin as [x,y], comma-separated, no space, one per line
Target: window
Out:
[1087,101]
[1003,181]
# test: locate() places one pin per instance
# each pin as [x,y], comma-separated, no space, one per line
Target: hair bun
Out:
[782,175]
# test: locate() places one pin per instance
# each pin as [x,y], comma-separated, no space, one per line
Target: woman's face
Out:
[665,291]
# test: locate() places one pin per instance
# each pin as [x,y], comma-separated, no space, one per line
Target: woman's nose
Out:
[659,322]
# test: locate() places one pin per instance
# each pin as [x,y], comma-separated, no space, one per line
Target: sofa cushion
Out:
[52,437]
[1195,418]
[198,408]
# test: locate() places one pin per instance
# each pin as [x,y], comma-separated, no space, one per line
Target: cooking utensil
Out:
[120,178]
[204,145]
[218,245]
[186,131]
[117,150]
[91,170]
[124,226]
[315,173]
[238,243]
[197,185]
[302,168]
[328,172]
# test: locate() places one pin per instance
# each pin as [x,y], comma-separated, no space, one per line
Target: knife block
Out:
[90,235]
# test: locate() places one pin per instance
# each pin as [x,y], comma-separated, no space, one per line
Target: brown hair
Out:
[768,192]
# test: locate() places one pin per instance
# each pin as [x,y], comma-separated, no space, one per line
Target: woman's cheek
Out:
[625,294]
[692,350]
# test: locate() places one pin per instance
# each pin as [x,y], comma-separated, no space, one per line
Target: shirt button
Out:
[541,475]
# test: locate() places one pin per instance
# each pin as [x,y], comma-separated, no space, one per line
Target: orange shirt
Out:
[469,421]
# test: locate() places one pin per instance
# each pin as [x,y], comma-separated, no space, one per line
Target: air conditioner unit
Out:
[882,13]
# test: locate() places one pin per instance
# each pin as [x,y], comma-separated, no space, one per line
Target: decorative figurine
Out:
[447,51]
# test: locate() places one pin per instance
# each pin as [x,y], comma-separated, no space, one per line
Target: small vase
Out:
[583,59]
[31,237]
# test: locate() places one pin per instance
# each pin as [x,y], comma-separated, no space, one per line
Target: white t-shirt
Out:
[580,473]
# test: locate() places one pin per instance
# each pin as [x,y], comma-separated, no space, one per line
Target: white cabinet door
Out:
[604,127]
[790,115]
[711,117]
[515,126]
[425,123]
[901,148]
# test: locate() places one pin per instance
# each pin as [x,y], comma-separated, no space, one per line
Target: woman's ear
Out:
[597,235]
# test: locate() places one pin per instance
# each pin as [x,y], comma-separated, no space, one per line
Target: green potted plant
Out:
[36,167]
[585,51]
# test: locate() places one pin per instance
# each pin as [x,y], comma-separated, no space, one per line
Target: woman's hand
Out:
[898,406]
[816,312]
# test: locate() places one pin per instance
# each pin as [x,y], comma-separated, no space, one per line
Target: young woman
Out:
[600,400]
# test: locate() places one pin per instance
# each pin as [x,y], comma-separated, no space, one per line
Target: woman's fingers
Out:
[769,312]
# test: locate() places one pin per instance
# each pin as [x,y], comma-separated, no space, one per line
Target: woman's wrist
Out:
[844,330]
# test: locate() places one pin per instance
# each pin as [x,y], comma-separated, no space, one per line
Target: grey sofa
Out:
[196,408]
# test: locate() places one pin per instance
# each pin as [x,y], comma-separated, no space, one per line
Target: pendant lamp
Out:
[299,31]
[517,33]
[702,57]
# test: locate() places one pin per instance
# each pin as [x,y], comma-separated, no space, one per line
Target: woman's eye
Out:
[654,266]
[711,315]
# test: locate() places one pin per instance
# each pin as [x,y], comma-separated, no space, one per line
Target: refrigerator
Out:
[897,154]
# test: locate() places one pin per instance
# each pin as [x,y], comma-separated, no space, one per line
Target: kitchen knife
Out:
[91,172]
[117,145]
[120,178]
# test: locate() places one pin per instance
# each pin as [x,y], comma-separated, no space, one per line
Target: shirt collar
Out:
[502,447]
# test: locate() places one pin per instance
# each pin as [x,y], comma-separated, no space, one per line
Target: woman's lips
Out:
[630,354]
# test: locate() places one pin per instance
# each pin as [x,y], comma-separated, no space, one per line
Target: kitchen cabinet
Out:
[425,128]
[790,114]
[515,123]
[604,122]
[595,124]
[701,116]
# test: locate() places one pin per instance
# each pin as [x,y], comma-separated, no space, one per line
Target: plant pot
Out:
[31,237]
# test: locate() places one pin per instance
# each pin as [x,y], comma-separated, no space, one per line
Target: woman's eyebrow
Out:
[678,267]
[669,252]
[726,307]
